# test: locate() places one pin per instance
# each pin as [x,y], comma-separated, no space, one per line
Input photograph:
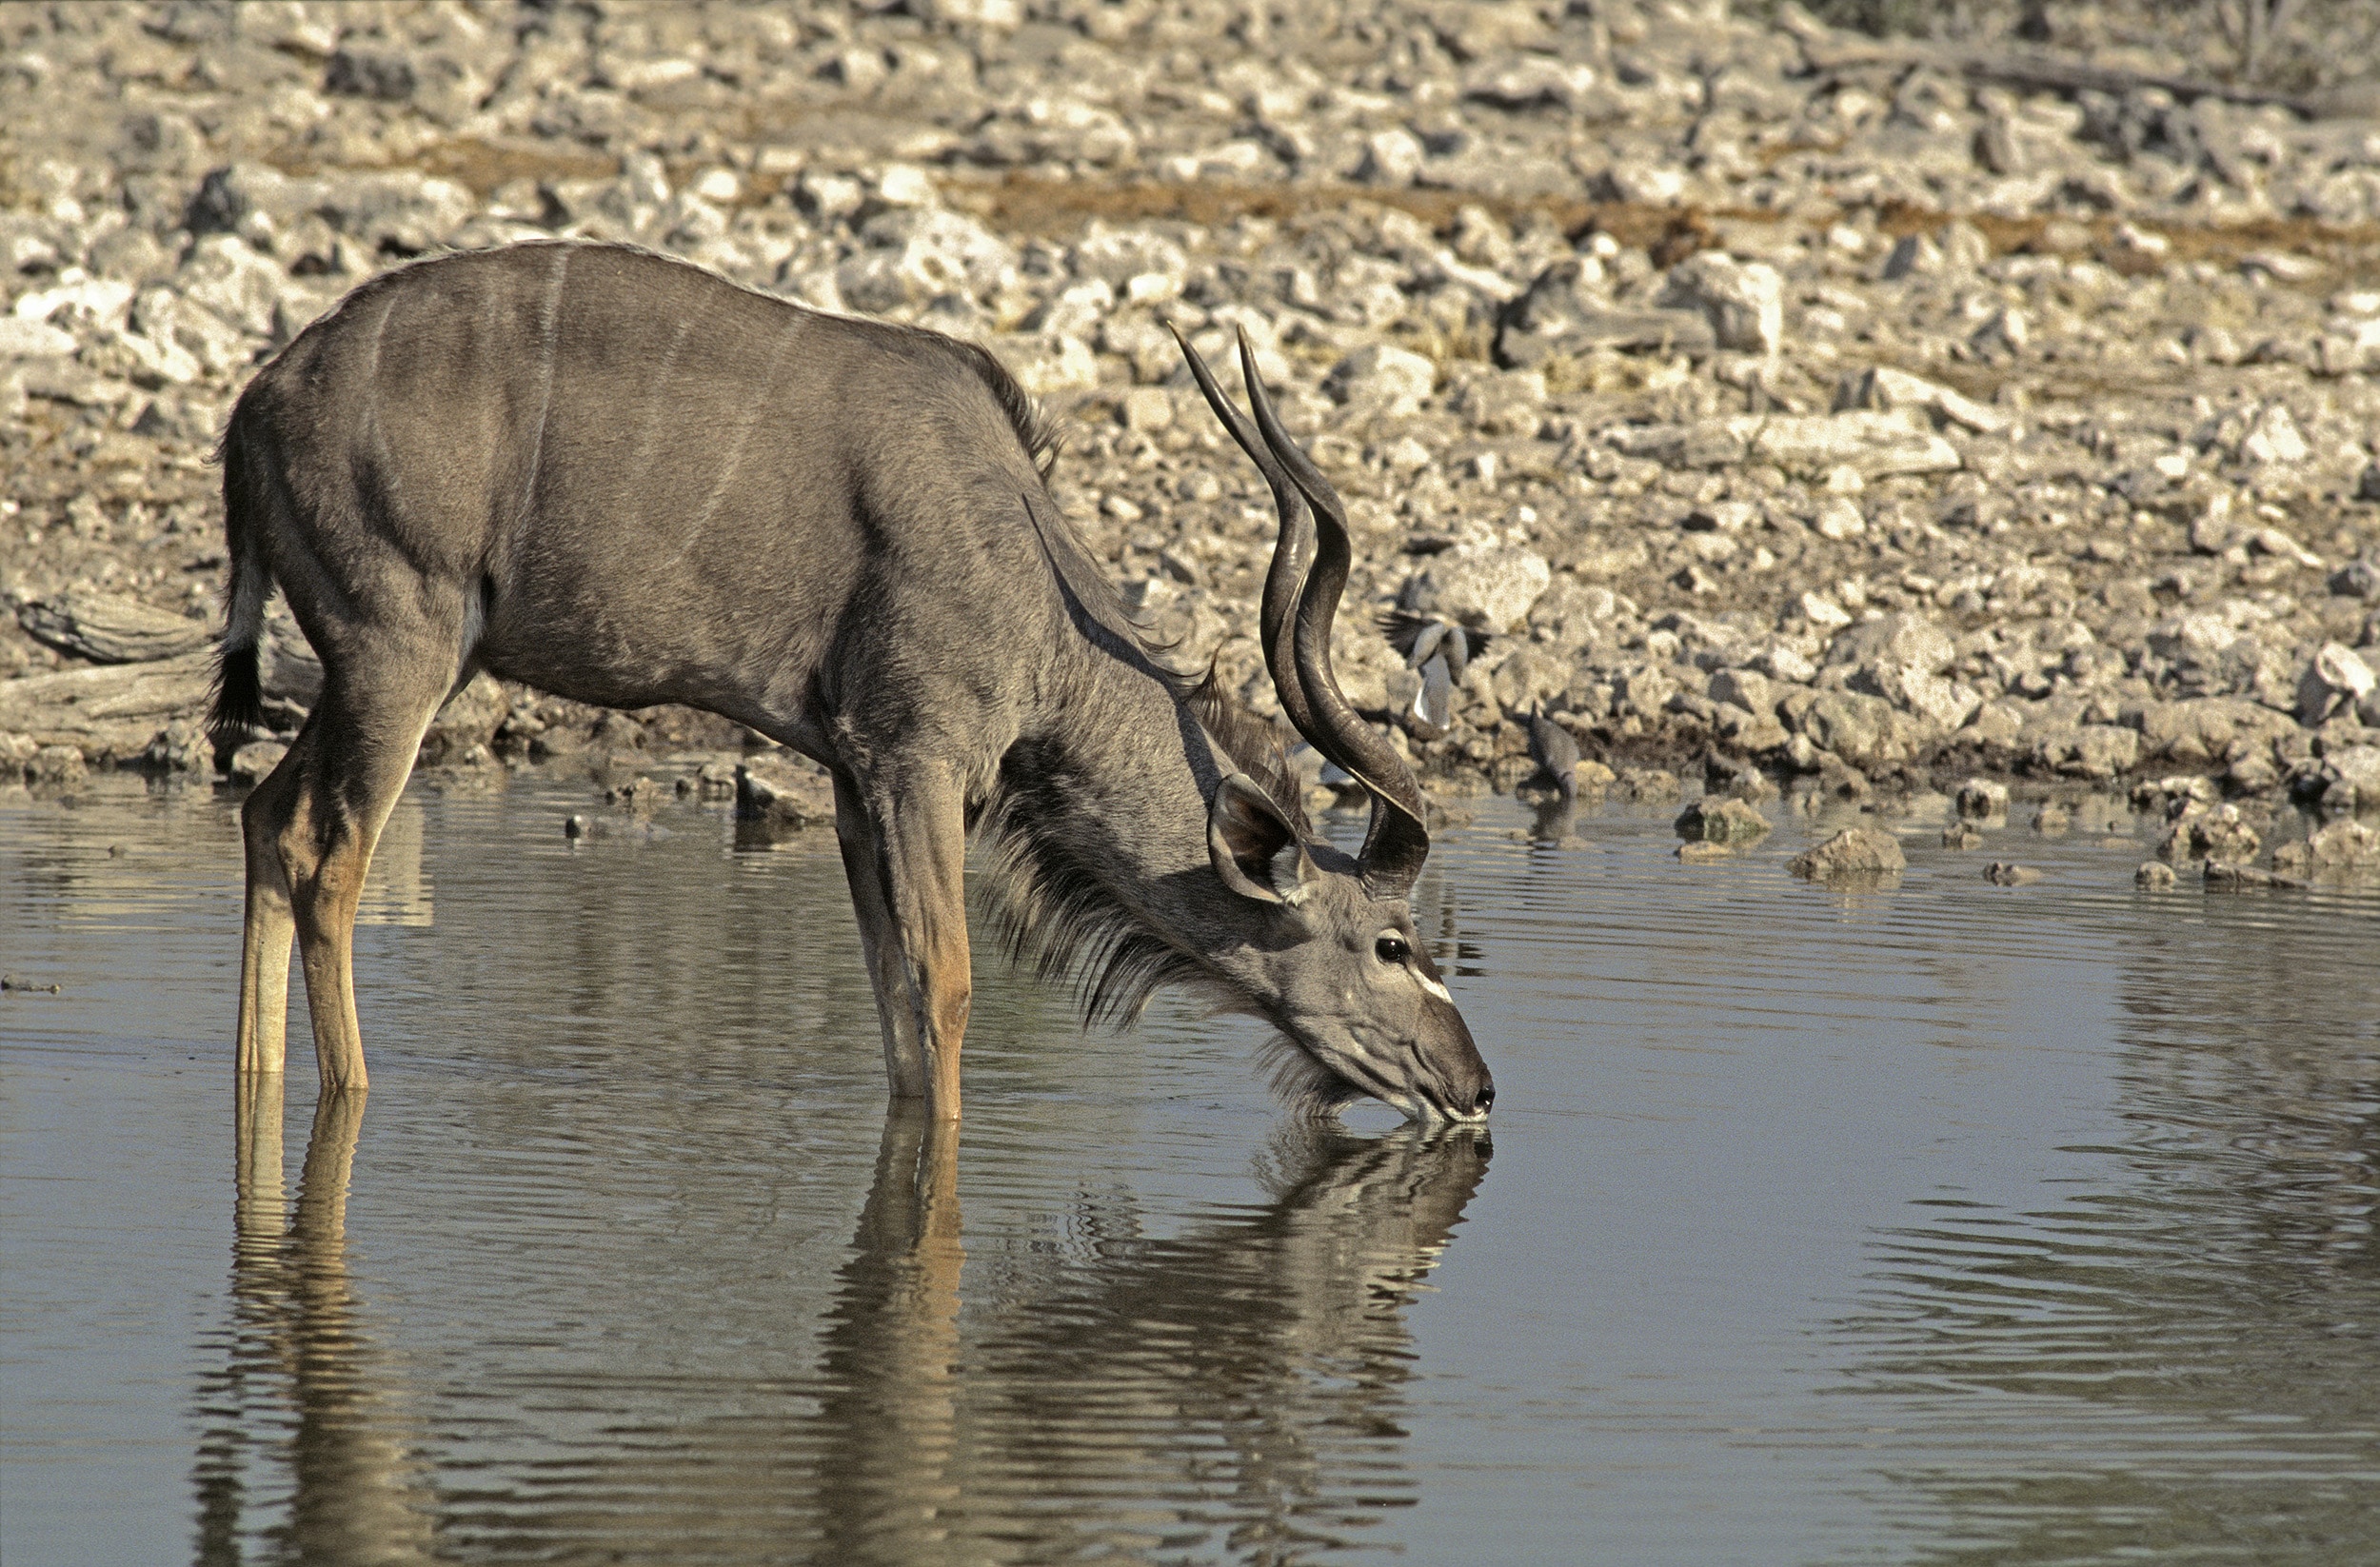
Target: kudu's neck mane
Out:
[1098,825]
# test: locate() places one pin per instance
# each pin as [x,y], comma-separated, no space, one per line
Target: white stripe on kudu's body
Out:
[626,481]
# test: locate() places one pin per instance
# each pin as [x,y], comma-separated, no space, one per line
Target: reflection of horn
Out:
[890,1492]
[356,1488]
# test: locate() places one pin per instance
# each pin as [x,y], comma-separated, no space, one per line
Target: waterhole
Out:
[1929,1222]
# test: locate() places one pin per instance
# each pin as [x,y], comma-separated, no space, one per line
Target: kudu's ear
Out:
[1247,836]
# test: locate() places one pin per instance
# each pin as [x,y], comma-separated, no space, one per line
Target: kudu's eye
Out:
[1390,949]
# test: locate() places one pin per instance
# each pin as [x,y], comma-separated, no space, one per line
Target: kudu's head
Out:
[1341,970]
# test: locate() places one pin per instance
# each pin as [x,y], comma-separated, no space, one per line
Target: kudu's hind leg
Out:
[905,855]
[311,828]
[268,929]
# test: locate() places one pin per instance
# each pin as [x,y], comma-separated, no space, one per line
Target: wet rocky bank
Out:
[1776,407]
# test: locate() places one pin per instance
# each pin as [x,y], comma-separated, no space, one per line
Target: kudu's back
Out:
[640,482]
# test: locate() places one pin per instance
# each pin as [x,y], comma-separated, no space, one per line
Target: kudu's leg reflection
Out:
[891,1489]
[1241,1382]
[305,1385]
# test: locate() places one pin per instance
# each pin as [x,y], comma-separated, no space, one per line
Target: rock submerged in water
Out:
[1723,820]
[1853,852]
[778,796]
[1982,799]
[251,761]
[2344,847]
[2220,834]
[2007,873]
[2232,877]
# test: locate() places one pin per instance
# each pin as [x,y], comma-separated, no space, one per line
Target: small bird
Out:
[1555,751]
[1439,651]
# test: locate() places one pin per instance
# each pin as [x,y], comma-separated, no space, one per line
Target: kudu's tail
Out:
[238,707]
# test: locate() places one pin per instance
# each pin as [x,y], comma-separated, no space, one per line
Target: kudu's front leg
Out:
[903,842]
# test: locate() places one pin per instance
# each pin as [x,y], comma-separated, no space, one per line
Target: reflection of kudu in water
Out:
[1244,1378]
[353,1488]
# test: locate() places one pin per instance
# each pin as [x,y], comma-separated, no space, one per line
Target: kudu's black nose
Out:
[1484,1098]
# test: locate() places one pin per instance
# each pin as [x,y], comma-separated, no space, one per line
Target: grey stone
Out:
[1383,379]
[1646,786]
[2203,732]
[23,338]
[110,710]
[469,721]
[1981,799]
[1562,311]
[2336,680]
[1520,81]
[1840,517]
[1744,301]
[2358,579]
[1865,731]
[2209,833]
[226,277]
[1148,409]
[1856,853]
[56,767]
[1995,724]
[1490,586]
[356,71]
[2098,752]
[784,794]
[1912,256]
[914,253]
[1899,658]
[2006,873]
[1722,820]
[251,761]
[2346,844]
[181,747]
[1873,445]
[1512,403]
[1886,388]
[109,628]
[1117,256]
[2237,875]
[1745,688]
[1391,157]
[2351,779]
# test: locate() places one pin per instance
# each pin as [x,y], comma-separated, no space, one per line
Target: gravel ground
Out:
[1768,403]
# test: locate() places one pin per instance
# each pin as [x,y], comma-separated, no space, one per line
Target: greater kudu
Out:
[627,481]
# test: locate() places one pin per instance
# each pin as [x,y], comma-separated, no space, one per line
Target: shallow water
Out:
[1939,1222]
